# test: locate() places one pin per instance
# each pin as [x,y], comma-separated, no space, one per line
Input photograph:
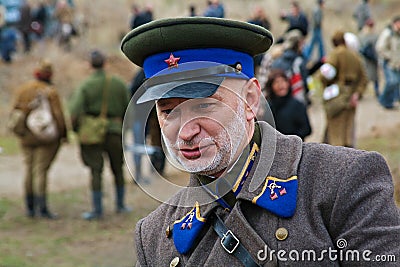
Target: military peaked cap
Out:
[199,48]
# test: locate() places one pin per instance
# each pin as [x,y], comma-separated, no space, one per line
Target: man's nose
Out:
[189,130]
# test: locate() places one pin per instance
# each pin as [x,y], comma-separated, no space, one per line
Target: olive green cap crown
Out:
[174,34]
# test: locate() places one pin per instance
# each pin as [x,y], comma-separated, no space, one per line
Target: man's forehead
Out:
[233,84]
[178,100]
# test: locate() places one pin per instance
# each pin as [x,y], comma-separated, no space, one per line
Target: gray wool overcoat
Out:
[344,213]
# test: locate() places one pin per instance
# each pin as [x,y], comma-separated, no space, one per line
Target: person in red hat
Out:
[39,151]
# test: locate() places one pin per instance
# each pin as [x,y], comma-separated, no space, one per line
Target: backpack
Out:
[16,122]
[369,52]
[40,120]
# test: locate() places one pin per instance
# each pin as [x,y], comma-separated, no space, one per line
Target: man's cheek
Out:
[169,137]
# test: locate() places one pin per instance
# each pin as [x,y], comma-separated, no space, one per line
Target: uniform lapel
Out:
[275,173]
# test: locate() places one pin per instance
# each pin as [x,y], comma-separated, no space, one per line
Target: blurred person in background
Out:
[8,42]
[296,18]
[368,38]
[139,127]
[64,14]
[88,99]
[157,156]
[134,12]
[292,61]
[214,9]
[317,38]
[39,154]
[142,17]
[144,125]
[39,19]
[24,25]
[348,80]
[388,48]
[51,26]
[259,18]
[192,10]
[362,13]
[290,115]
[2,16]
[274,52]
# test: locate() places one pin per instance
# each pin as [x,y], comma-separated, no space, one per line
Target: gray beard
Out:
[236,130]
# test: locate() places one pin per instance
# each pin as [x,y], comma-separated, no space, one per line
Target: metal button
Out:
[281,233]
[238,67]
[174,262]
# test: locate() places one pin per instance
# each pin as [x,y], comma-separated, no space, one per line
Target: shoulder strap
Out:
[230,242]
[104,103]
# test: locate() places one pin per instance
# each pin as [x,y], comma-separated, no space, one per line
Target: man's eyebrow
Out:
[163,103]
[218,97]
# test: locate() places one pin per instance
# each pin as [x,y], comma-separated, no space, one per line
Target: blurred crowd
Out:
[288,72]
[43,20]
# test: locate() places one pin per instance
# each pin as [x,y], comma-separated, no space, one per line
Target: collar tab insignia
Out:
[278,196]
[186,230]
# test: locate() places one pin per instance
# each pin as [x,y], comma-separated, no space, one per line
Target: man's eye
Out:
[166,111]
[170,113]
[204,105]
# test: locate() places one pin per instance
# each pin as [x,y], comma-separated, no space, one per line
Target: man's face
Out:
[280,86]
[295,10]
[205,135]
[396,26]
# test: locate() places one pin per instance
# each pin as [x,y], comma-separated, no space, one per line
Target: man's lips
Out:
[193,153]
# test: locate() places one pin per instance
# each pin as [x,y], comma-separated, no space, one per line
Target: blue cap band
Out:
[156,63]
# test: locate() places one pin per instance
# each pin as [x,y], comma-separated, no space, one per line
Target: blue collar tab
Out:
[278,196]
[186,230]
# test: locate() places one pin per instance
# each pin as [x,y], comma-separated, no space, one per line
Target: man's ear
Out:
[252,95]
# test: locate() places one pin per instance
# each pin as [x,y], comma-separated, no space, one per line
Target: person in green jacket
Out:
[88,100]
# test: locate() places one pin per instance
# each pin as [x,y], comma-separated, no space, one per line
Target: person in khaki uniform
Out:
[88,99]
[351,79]
[39,154]
[255,197]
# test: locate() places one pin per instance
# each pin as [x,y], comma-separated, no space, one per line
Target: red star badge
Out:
[172,61]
